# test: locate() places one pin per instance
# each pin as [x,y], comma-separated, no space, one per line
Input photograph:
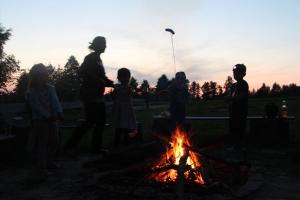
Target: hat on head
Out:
[241,68]
[97,43]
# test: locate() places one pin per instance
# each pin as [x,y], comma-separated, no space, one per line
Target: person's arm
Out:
[56,106]
[108,82]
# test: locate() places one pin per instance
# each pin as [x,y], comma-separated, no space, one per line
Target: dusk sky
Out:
[211,36]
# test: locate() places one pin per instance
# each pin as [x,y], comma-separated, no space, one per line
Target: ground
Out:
[276,176]
[275,172]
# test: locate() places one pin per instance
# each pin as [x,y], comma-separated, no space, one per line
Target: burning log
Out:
[201,167]
[202,152]
[178,161]
[180,175]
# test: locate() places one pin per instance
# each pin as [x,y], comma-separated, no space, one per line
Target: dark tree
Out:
[252,92]
[205,90]
[193,89]
[162,83]
[219,90]
[8,63]
[227,85]
[22,84]
[66,80]
[290,90]
[134,85]
[144,87]
[213,89]
[276,90]
[145,92]
[198,91]
[263,91]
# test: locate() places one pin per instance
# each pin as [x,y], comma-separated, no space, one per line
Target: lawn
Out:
[205,131]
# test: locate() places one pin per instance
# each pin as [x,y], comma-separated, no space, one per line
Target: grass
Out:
[205,131]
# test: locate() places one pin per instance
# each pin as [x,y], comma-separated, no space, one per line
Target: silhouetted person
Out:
[45,113]
[124,120]
[178,97]
[93,83]
[238,105]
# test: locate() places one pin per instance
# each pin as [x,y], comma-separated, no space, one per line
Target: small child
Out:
[45,113]
[238,105]
[124,120]
[178,97]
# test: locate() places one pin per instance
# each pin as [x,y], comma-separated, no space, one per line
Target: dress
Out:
[123,113]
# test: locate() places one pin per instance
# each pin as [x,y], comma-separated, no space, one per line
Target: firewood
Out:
[180,176]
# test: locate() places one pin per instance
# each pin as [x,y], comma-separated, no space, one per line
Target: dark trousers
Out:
[95,115]
[237,128]
[121,132]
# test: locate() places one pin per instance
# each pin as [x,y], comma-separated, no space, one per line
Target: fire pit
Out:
[178,162]
[171,167]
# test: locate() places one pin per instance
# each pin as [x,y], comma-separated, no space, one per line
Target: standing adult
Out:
[93,83]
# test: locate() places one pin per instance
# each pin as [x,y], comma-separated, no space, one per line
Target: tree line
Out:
[67,83]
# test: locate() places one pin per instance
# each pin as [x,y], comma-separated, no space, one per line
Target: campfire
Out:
[179,162]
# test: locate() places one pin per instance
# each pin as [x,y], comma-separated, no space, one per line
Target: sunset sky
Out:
[211,36]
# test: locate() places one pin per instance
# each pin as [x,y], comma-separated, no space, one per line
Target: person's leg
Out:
[241,132]
[100,119]
[53,138]
[41,130]
[238,132]
[83,127]
[53,144]
[232,131]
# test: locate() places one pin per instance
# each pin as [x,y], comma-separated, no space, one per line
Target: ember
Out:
[177,159]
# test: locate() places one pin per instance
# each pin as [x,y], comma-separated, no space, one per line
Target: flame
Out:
[164,170]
